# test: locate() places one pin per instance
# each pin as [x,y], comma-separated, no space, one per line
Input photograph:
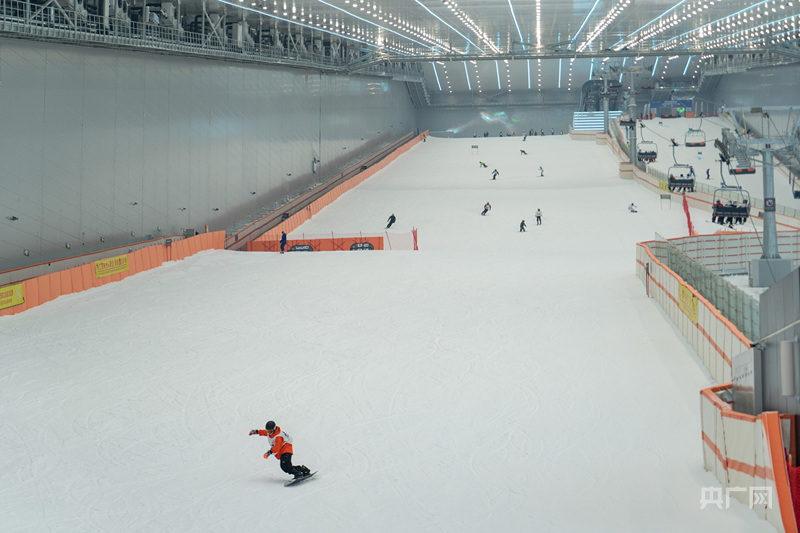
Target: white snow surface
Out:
[491,381]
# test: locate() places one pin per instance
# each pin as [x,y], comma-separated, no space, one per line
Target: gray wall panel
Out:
[464,122]
[98,142]
[759,87]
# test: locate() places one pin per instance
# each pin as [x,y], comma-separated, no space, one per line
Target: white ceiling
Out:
[551,35]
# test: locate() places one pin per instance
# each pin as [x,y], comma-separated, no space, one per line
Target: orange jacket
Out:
[279,441]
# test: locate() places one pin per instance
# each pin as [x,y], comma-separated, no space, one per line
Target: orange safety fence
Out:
[317,245]
[18,297]
[305,214]
[746,455]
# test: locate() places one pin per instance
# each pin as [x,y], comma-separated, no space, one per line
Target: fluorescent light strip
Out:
[349,15]
[497,66]
[529,73]
[584,23]
[512,16]
[448,25]
[466,72]
[687,65]
[437,76]
[559,73]
[311,27]
[653,74]
[719,21]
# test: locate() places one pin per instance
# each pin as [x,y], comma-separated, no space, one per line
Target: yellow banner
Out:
[687,302]
[11,295]
[663,185]
[114,265]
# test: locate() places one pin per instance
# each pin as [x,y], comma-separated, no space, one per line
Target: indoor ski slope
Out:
[492,381]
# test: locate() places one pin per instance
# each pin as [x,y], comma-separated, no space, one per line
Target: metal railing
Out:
[50,21]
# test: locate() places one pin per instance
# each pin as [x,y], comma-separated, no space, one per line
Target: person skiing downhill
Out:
[495,173]
[538,217]
[486,208]
[283,241]
[391,221]
[281,447]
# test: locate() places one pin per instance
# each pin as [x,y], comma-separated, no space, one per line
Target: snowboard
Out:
[299,479]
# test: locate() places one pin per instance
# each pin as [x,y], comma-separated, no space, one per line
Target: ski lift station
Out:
[535,234]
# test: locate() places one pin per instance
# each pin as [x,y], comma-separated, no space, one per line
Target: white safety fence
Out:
[714,338]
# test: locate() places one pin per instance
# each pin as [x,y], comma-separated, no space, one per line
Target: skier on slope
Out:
[391,221]
[486,208]
[281,447]
[632,208]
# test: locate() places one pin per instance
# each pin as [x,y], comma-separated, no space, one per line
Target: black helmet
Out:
[270,426]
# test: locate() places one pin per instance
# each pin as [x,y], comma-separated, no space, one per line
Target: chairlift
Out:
[647,151]
[695,138]
[731,205]
[793,178]
[680,178]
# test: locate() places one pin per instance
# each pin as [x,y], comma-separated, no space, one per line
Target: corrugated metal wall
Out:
[122,145]
[759,87]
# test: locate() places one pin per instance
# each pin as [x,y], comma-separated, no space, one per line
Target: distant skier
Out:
[281,447]
[495,173]
[538,217]
[541,172]
[523,152]
[482,164]
[283,241]
[486,208]
[708,173]
[522,226]
[391,221]
[632,208]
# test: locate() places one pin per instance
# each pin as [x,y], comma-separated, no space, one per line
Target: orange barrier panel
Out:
[66,281]
[50,286]
[44,288]
[77,279]
[772,428]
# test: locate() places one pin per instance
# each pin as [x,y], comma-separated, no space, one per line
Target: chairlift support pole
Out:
[632,133]
[770,226]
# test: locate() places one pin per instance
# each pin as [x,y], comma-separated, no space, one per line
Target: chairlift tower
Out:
[770,267]
[606,74]
[632,149]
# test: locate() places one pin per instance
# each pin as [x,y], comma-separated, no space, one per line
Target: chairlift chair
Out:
[734,210]
[795,187]
[678,178]
[647,151]
[695,138]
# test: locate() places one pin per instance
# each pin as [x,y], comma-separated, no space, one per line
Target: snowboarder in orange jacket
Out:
[281,447]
